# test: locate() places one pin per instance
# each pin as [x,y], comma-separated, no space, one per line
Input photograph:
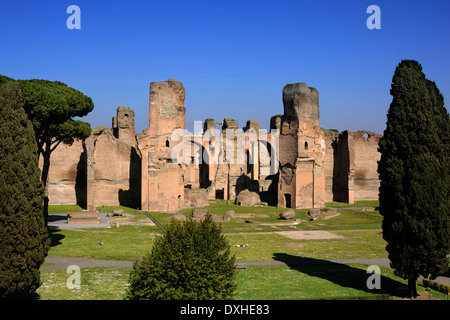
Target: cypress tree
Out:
[414,177]
[24,241]
[191,261]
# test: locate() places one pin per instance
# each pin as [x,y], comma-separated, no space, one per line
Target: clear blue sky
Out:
[233,56]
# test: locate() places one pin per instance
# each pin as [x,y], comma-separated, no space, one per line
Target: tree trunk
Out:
[412,290]
[44,178]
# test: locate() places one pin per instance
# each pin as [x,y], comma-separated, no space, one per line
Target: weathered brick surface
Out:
[302,149]
[66,179]
[117,166]
[162,185]
[366,182]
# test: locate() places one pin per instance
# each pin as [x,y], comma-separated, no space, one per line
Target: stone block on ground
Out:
[322,213]
[199,214]
[178,217]
[287,215]
[247,198]
[228,215]
[216,218]
[117,212]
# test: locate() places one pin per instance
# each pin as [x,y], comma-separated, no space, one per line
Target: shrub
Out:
[191,261]
[436,286]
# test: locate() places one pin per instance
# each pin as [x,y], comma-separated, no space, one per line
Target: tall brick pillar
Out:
[302,149]
[162,180]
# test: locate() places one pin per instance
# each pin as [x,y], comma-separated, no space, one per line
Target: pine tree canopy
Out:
[51,106]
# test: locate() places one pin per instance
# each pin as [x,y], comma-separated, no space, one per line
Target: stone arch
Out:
[202,159]
[266,146]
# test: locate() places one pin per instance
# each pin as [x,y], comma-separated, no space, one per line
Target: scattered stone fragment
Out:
[117,212]
[228,215]
[247,198]
[322,213]
[178,217]
[287,215]
[198,213]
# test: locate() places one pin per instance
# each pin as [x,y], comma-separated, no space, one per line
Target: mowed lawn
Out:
[336,281]
[112,245]
[360,234]
[359,238]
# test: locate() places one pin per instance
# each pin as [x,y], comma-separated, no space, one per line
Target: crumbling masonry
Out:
[307,166]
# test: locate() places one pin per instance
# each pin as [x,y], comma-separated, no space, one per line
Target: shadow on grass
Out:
[55,237]
[342,274]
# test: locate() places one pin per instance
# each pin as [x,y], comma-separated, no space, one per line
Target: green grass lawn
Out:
[253,283]
[53,209]
[116,246]
[361,239]
[355,244]
[307,282]
[360,203]
[96,284]
[128,242]
[132,245]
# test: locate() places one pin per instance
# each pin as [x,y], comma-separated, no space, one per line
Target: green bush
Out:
[191,261]
[427,283]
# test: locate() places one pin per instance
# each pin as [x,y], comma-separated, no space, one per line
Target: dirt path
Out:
[309,235]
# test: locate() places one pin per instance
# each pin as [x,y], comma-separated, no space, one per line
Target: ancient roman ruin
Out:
[297,164]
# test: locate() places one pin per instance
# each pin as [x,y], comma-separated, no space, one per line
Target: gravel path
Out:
[61,263]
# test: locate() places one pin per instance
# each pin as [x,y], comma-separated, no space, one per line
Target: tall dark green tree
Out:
[24,241]
[52,106]
[191,261]
[414,176]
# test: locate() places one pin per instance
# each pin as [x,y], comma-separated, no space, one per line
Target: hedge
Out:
[436,286]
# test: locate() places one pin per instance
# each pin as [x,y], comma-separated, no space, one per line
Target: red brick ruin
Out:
[297,164]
